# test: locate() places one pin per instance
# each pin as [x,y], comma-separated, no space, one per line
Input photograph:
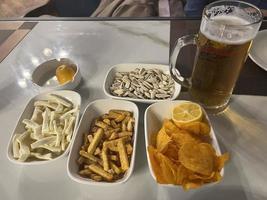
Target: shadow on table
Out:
[141,159]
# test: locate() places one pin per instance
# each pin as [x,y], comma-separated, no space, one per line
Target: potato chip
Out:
[192,184]
[181,174]
[155,163]
[169,127]
[169,169]
[199,158]
[220,161]
[181,137]
[197,128]
[163,140]
[172,152]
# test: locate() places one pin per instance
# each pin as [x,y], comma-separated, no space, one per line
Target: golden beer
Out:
[226,32]
[216,70]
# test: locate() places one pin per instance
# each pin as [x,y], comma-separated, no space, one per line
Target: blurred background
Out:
[108,8]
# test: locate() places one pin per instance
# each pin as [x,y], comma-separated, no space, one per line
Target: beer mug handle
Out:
[181,42]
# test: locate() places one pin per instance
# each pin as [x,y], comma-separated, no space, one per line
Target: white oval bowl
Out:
[127,67]
[154,116]
[72,96]
[47,71]
[93,110]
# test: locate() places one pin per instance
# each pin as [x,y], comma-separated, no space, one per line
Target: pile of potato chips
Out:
[184,156]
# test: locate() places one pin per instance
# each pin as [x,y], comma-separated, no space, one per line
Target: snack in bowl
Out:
[48,132]
[181,152]
[142,83]
[107,148]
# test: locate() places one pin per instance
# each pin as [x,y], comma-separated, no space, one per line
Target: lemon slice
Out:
[186,112]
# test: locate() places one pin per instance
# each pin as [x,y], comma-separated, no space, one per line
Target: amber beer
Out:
[218,64]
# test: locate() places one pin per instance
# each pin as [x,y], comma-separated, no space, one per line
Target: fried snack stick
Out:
[98,136]
[123,112]
[100,171]
[90,157]
[115,168]
[105,158]
[123,156]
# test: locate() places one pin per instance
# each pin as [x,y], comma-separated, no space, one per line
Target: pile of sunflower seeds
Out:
[143,84]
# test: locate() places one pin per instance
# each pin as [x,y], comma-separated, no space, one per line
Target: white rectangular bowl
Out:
[154,116]
[93,110]
[72,96]
[127,67]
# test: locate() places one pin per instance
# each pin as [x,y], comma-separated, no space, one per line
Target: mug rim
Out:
[204,14]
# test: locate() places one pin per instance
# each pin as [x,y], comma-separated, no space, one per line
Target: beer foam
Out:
[221,29]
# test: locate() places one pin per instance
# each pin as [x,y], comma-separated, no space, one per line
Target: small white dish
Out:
[154,116]
[258,51]
[126,67]
[72,96]
[93,110]
[44,76]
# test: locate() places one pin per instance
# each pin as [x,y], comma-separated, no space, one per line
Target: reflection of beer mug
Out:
[226,32]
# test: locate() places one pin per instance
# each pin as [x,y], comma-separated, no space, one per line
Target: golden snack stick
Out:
[101,124]
[130,124]
[85,138]
[85,172]
[129,149]
[96,177]
[113,157]
[105,158]
[113,115]
[98,136]
[97,151]
[114,124]
[90,157]
[115,168]
[107,121]
[124,127]
[125,133]
[123,156]
[124,112]
[112,145]
[100,171]
[90,138]
[113,136]
[120,118]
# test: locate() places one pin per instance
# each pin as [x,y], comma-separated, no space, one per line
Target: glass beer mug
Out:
[226,33]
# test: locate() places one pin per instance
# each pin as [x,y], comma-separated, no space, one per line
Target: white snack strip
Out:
[68,138]
[68,130]
[22,137]
[59,108]
[43,141]
[45,125]
[58,133]
[51,148]
[52,118]
[65,115]
[61,100]
[15,146]
[37,133]
[63,141]
[30,124]
[37,115]
[45,104]
[47,156]
[24,153]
